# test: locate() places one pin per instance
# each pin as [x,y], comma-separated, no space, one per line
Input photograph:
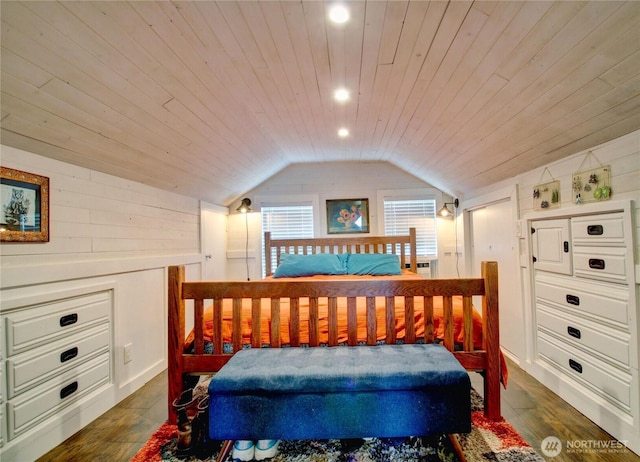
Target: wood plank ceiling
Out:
[209,99]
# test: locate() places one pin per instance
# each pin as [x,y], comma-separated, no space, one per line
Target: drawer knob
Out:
[595,230]
[596,263]
[68,390]
[573,300]
[69,354]
[68,319]
[572,331]
[576,366]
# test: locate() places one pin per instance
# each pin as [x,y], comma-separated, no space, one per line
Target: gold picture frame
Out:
[347,216]
[24,212]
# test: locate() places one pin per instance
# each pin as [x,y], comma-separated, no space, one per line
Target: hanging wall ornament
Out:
[592,184]
[546,195]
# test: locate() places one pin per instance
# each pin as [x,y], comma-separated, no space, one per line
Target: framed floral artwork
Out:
[24,198]
[345,216]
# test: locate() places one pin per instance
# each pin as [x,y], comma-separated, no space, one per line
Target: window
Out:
[284,222]
[400,215]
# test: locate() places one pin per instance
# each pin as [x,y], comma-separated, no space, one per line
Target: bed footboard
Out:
[250,297]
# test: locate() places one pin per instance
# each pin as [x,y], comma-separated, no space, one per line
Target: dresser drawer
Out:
[602,230]
[608,382]
[608,344]
[39,365]
[598,301]
[38,404]
[41,325]
[601,263]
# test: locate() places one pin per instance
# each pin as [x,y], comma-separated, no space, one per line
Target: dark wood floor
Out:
[532,409]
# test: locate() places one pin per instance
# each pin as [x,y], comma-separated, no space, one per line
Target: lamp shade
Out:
[446,211]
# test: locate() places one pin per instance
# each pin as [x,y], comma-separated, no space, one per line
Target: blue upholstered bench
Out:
[339,392]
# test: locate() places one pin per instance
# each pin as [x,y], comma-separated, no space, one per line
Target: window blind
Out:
[286,222]
[400,215]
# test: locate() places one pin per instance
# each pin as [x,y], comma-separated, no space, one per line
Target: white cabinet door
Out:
[552,245]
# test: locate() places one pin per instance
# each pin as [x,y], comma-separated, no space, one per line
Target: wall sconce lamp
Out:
[446,212]
[245,206]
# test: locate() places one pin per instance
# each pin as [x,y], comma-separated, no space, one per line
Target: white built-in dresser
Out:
[56,363]
[584,312]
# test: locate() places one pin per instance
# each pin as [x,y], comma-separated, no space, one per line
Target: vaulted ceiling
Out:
[210,99]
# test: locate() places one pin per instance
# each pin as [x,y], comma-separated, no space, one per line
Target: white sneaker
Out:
[266,449]
[243,450]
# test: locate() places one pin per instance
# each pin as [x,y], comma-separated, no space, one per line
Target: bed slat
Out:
[198,323]
[314,322]
[390,319]
[352,322]
[294,326]
[237,325]
[409,320]
[372,321]
[217,327]
[447,308]
[428,320]
[256,315]
[275,323]
[333,320]
[467,329]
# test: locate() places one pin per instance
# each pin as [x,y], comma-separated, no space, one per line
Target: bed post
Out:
[176,336]
[491,338]
[412,246]
[267,253]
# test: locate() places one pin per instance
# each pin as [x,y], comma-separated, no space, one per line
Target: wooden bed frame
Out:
[487,360]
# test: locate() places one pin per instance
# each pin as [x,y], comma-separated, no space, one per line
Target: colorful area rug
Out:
[487,441]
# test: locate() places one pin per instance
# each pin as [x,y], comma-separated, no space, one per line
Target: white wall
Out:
[107,230]
[317,182]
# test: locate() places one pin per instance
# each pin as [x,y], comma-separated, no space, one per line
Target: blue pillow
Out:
[373,264]
[296,265]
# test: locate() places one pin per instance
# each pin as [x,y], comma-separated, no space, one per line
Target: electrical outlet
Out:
[127,353]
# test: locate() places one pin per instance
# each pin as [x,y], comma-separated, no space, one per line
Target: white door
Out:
[493,239]
[213,231]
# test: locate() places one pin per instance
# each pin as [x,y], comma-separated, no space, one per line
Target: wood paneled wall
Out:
[96,216]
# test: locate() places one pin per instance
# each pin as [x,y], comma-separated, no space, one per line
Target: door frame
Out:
[507,193]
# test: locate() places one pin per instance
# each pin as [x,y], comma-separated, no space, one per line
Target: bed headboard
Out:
[403,246]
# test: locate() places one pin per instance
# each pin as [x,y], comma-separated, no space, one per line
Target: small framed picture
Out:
[345,216]
[25,206]
[592,185]
[546,196]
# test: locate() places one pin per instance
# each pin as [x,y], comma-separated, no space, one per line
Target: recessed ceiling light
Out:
[339,14]
[341,94]
[343,132]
